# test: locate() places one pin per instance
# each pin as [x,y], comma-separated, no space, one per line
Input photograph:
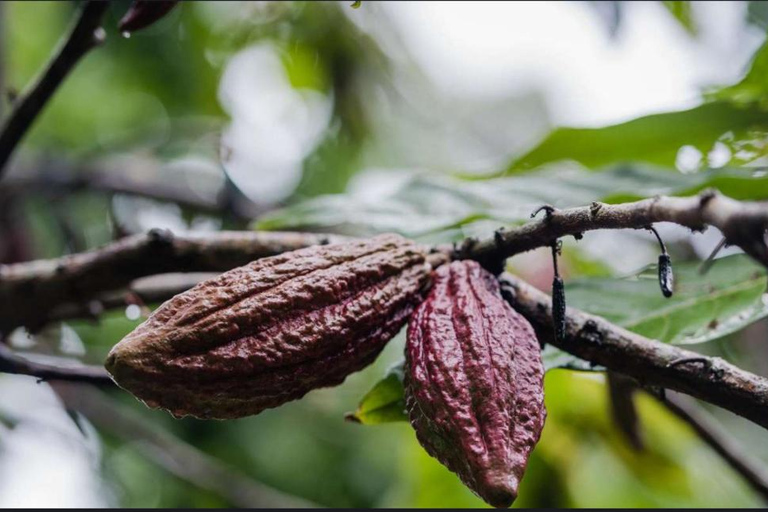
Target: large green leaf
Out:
[425,204]
[753,88]
[385,402]
[654,139]
[703,308]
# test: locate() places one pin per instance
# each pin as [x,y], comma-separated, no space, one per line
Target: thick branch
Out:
[742,223]
[17,365]
[85,35]
[721,442]
[30,291]
[649,362]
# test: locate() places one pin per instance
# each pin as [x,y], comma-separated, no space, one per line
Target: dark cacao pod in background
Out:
[474,381]
[143,13]
[260,335]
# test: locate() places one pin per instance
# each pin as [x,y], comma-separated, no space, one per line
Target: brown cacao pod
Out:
[474,381]
[260,335]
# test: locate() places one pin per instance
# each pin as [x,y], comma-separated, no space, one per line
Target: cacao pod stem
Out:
[558,296]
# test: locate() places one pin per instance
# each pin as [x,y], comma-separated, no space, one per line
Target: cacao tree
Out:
[436,307]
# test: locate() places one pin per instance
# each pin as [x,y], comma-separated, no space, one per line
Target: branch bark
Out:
[58,178]
[29,292]
[17,365]
[650,362]
[742,223]
[84,36]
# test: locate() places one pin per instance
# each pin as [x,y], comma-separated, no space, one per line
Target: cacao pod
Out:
[143,13]
[474,381]
[260,335]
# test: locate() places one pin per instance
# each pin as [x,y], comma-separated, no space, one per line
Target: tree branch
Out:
[147,290]
[62,178]
[30,291]
[720,441]
[63,371]
[742,223]
[650,362]
[85,35]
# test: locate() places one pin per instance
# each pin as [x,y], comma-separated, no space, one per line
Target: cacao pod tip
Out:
[499,492]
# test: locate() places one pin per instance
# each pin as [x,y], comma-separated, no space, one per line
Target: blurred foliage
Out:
[432,205]
[385,402]
[655,139]
[726,299]
[147,101]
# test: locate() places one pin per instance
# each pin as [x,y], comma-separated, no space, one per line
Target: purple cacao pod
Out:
[474,381]
[260,335]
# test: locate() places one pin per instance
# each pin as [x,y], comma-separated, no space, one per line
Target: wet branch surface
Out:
[85,35]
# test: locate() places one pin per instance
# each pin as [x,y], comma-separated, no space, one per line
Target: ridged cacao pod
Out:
[474,381]
[260,335]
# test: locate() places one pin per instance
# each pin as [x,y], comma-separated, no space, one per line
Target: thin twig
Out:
[721,441]
[46,177]
[14,364]
[171,453]
[85,35]
[707,263]
[621,394]
[598,341]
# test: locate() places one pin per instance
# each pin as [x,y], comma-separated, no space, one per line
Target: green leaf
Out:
[554,359]
[703,308]
[753,88]
[438,208]
[385,402]
[654,139]
[682,12]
